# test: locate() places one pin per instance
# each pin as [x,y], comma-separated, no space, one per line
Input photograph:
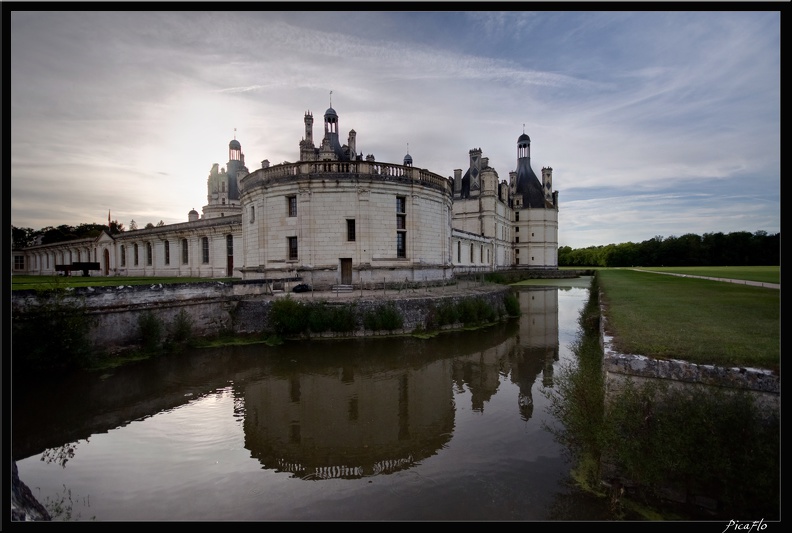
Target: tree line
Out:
[739,248]
[25,237]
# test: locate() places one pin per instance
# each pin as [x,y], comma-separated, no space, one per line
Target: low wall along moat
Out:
[220,307]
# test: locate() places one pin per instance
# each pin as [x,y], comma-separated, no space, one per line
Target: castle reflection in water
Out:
[376,415]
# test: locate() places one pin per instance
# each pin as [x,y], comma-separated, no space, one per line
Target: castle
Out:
[335,217]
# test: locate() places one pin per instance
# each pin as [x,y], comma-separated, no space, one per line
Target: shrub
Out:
[181,329]
[713,443]
[288,317]
[343,319]
[447,313]
[318,317]
[384,317]
[150,329]
[485,311]
[474,311]
[496,277]
[512,305]
[52,336]
[322,317]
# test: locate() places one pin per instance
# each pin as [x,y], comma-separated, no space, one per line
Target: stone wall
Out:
[215,307]
[252,315]
[765,385]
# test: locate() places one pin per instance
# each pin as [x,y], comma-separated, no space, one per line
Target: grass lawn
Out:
[765,274]
[19,282]
[701,321]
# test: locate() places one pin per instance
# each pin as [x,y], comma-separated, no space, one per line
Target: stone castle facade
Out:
[335,217]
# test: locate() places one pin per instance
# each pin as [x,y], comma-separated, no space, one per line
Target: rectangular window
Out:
[401,226]
[148,253]
[516,239]
[137,257]
[350,229]
[123,256]
[185,252]
[401,244]
[517,229]
[292,248]
[516,216]
[167,253]
[459,251]
[292,203]
[19,262]
[252,214]
[205,249]
[516,260]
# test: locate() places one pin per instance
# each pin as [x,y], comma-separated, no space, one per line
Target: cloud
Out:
[134,108]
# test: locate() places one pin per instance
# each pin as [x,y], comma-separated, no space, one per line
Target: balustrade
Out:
[357,168]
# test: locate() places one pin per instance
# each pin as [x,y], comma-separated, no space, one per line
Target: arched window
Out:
[136,255]
[148,253]
[185,252]
[123,255]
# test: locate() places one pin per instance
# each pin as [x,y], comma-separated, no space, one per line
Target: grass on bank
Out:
[701,321]
[764,274]
[20,282]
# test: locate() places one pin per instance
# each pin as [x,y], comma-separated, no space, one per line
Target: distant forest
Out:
[24,237]
[739,248]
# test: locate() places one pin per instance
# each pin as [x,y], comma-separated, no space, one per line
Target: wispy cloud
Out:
[636,110]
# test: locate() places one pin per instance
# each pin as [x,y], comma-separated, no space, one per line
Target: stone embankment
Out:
[618,367]
[240,307]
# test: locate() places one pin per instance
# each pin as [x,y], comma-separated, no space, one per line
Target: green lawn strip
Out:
[61,282]
[701,321]
[765,274]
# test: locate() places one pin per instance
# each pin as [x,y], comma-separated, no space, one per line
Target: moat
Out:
[448,428]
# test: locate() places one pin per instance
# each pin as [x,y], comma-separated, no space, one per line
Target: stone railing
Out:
[344,169]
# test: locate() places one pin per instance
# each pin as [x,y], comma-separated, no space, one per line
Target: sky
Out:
[656,123]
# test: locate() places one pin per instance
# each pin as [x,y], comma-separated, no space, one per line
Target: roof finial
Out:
[408,148]
[235,134]
[523,127]
[331,98]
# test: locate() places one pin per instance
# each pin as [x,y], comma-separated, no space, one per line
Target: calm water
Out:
[449,428]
